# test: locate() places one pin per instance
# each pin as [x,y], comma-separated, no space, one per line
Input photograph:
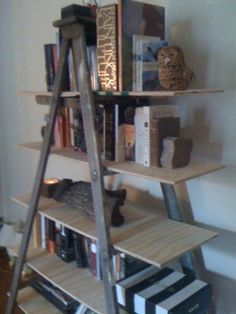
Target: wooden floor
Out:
[5,280]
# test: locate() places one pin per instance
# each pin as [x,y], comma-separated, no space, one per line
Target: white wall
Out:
[204,30]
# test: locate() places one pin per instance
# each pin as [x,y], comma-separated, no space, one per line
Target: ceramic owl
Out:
[173,73]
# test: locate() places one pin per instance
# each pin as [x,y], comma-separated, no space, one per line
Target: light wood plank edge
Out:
[118,168]
[190,92]
[138,226]
[45,211]
[30,302]
[164,263]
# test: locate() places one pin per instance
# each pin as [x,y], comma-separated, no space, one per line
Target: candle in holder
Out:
[49,186]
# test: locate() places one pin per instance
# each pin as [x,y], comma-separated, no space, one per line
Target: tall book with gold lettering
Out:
[107,40]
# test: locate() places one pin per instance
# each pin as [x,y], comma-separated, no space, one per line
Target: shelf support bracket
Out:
[189,260]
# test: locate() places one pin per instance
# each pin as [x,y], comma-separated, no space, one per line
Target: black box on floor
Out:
[163,291]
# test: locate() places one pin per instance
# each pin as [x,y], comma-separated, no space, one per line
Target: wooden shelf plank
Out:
[164,175]
[162,241]
[71,217]
[31,302]
[130,93]
[44,202]
[76,282]
[149,237]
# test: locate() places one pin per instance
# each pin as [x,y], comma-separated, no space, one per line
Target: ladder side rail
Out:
[57,89]
[83,82]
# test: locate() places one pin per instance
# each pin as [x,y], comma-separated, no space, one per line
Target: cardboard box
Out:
[163,291]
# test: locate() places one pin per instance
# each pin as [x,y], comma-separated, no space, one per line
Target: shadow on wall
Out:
[198,129]
[196,60]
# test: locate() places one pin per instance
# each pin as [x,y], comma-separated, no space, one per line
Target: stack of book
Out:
[69,130]
[64,303]
[71,246]
[124,61]
[135,132]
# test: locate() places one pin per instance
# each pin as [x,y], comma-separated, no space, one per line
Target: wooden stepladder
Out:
[73,37]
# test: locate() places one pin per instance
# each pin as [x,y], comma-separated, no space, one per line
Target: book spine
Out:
[46,232]
[139,135]
[87,245]
[107,47]
[76,130]
[71,126]
[93,254]
[57,139]
[109,133]
[67,252]
[43,232]
[62,127]
[146,135]
[79,250]
[52,237]
[49,65]
[154,146]
[58,239]
[139,66]
[119,133]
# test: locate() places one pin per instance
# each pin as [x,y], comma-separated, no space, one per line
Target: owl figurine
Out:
[173,73]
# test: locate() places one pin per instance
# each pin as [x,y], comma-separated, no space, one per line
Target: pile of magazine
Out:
[58,298]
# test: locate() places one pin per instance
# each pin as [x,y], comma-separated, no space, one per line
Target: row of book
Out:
[127,132]
[129,36]
[71,246]
[51,54]
[69,130]
[125,54]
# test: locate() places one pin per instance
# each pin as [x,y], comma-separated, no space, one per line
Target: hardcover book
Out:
[145,63]
[107,47]
[135,18]
[115,131]
[147,147]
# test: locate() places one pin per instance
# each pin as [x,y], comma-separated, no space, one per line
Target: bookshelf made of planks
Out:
[163,175]
[163,240]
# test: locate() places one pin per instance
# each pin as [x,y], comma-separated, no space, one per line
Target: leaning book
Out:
[140,18]
[145,65]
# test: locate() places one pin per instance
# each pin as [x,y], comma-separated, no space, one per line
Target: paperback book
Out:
[145,65]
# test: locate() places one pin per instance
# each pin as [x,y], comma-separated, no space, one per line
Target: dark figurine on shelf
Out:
[176,152]
[79,195]
[173,73]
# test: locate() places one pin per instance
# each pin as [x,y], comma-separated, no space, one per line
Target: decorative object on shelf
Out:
[79,195]
[176,152]
[153,290]
[49,186]
[173,73]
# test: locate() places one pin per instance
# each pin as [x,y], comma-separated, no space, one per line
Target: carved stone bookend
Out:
[79,195]
[176,152]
